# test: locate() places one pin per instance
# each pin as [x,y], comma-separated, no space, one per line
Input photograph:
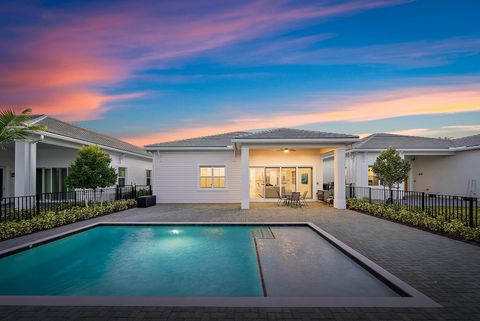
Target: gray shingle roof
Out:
[292,133]
[221,140]
[224,140]
[468,141]
[382,140]
[59,127]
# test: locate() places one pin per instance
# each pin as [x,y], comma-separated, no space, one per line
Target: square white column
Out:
[245,155]
[339,200]
[25,168]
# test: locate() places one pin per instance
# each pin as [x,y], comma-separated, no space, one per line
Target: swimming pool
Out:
[242,264]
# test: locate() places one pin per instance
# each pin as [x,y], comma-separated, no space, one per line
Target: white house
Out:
[41,164]
[240,167]
[439,166]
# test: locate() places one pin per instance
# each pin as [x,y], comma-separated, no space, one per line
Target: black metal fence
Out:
[450,207]
[26,207]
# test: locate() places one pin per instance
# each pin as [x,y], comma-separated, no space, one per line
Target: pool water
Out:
[189,260]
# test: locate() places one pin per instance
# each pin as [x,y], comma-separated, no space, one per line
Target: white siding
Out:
[446,174]
[175,177]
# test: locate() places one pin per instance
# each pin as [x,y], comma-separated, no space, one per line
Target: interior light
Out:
[286,150]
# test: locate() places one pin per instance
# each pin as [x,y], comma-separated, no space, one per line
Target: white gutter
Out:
[186,148]
[84,142]
[295,140]
[400,150]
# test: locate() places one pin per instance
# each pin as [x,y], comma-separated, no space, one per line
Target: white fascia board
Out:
[186,148]
[83,142]
[296,140]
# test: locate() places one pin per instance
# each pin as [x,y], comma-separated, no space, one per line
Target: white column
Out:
[25,168]
[245,154]
[339,178]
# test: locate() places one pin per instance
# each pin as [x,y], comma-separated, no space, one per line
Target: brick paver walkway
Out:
[445,270]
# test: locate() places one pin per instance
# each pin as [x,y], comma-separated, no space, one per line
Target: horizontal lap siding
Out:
[175,177]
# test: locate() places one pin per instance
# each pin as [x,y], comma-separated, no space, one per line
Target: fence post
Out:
[150,189]
[116,193]
[38,204]
[370,195]
[134,191]
[423,201]
[470,211]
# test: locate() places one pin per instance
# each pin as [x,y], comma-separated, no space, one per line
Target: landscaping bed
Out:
[438,224]
[50,220]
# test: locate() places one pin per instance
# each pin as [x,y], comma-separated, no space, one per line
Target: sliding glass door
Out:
[272,182]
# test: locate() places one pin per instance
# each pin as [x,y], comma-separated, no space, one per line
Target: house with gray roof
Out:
[41,164]
[439,166]
[240,167]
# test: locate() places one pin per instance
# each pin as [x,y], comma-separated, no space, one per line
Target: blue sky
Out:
[149,71]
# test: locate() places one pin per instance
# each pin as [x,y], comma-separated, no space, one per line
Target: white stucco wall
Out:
[446,174]
[176,177]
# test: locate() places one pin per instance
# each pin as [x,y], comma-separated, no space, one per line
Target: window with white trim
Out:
[149,176]
[122,175]
[212,176]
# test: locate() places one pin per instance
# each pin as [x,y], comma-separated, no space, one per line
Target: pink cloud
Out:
[63,65]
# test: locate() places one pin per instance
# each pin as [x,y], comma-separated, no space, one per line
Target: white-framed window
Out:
[372,178]
[148,174]
[212,176]
[122,176]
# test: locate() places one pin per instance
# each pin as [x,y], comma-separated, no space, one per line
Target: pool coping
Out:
[414,298]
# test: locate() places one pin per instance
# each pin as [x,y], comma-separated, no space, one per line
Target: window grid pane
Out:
[212,176]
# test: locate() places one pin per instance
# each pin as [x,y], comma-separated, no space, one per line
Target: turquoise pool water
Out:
[189,261]
[138,261]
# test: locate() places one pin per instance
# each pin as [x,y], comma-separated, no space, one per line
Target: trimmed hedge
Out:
[50,220]
[453,228]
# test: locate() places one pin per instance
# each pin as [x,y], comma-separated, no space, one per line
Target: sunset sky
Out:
[151,71]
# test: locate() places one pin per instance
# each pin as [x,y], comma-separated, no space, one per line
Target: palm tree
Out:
[16,126]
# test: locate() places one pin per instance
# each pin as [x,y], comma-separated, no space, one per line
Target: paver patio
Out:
[446,270]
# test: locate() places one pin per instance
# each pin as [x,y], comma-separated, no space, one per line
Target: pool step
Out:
[263,233]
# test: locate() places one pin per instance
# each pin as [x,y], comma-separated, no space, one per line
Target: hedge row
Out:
[453,228]
[50,220]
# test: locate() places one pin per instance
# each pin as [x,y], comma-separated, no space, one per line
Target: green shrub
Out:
[421,219]
[50,220]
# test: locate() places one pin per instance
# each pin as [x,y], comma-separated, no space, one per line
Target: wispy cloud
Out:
[365,106]
[68,59]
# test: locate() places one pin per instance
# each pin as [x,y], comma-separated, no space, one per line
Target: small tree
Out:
[391,168]
[91,170]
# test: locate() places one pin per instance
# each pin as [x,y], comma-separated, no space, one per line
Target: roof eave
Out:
[188,148]
[84,142]
[296,140]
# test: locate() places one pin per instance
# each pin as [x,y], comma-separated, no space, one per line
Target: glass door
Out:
[305,181]
[272,182]
[289,180]
[257,182]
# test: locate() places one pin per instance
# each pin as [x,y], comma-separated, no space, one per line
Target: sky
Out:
[154,71]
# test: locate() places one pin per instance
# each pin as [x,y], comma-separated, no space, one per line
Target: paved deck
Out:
[444,269]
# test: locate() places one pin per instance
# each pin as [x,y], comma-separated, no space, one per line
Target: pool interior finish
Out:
[189,261]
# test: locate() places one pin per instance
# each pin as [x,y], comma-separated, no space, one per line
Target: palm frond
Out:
[17,126]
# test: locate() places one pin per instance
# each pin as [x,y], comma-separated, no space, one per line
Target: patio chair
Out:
[330,199]
[303,198]
[281,199]
[295,199]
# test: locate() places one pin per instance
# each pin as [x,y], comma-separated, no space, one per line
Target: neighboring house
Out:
[439,166]
[41,164]
[240,167]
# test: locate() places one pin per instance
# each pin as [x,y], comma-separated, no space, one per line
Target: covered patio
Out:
[274,166]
